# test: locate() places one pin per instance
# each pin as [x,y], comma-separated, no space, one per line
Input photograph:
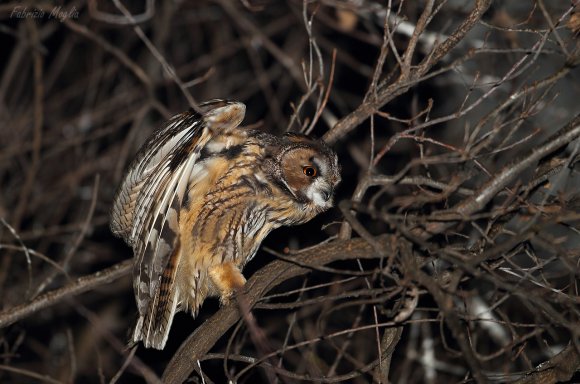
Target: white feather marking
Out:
[160,171]
[173,191]
[215,146]
[314,193]
[138,327]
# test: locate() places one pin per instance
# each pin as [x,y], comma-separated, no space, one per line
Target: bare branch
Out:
[80,285]
[205,336]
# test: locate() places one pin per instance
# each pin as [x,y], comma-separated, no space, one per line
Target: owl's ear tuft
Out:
[298,138]
[222,116]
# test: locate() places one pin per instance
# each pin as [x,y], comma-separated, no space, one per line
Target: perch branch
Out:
[205,336]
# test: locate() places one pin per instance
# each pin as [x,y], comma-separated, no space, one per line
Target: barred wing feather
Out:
[146,209]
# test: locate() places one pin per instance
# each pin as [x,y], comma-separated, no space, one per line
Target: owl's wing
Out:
[146,209]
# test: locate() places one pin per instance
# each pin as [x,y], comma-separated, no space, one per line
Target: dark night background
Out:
[81,91]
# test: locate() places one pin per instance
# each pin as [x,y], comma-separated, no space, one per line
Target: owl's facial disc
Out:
[310,175]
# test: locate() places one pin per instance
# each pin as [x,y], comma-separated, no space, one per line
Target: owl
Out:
[198,200]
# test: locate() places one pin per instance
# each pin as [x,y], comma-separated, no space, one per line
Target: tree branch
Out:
[81,285]
[207,334]
[402,85]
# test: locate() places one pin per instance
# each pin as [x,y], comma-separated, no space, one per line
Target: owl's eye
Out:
[309,171]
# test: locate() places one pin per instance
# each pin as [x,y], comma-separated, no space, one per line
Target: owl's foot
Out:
[228,296]
[228,279]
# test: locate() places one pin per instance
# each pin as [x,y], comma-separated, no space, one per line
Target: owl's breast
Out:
[224,207]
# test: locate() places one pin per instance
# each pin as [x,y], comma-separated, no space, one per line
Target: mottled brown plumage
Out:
[199,199]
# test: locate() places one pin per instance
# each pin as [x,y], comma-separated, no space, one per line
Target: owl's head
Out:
[308,169]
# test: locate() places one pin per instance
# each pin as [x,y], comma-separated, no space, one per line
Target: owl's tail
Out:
[153,327]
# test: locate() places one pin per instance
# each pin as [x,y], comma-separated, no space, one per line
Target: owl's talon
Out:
[228,279]
[227,298]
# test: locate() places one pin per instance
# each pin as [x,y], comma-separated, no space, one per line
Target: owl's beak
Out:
[327,194]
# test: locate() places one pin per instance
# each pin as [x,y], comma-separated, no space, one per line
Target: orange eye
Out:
[309,171]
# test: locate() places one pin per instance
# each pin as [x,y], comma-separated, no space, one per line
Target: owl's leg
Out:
[228,278]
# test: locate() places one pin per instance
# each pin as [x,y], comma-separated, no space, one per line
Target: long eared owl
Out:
[198,200]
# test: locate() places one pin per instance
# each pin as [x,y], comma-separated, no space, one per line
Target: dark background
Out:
[79,93]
